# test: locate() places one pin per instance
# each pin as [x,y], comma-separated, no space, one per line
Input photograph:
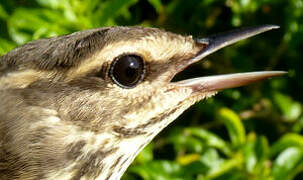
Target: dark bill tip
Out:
[220,82]
[218,41]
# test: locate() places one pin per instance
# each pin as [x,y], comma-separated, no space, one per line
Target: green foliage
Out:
[253,132]
[203,155]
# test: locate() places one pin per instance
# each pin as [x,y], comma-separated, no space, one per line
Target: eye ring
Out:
[127,70]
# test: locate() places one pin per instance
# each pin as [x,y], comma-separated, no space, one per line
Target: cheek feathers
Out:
[22,79]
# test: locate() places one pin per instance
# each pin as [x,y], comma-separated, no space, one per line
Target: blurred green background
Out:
[253,132]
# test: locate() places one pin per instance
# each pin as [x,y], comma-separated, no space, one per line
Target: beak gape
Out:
[219,82]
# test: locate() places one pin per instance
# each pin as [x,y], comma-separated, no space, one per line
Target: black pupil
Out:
[127,70]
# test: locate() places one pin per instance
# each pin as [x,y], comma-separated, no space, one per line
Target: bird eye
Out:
[127,71]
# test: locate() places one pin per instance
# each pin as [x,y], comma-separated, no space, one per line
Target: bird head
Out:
[108,90]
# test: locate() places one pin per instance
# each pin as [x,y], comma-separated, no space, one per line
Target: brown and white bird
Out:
[82,106]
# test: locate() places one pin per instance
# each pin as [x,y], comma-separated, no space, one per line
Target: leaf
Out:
[182,141]
[290,108]
[55,4]
[225,167]
[189,171]
[187,159]
[288,163]
[250,156]
[262,169]
[234,126]
[28,24]
[110,9]
[288,140]
[211,158]
[3,13]
[157,4]
[298,126]
[256,151]
[210,139]
[262,148]
[146,154]
[161,170]
[6,46]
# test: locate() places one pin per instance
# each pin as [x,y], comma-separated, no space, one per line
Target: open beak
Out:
[219,82]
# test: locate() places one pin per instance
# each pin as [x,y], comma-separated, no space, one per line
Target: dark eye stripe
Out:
[127,70]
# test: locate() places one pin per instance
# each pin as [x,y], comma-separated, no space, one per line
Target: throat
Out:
[104,156]
[126,152]
[107,155]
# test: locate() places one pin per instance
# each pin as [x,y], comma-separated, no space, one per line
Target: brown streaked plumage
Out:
[66,111]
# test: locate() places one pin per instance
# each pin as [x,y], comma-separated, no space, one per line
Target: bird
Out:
[83,105]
